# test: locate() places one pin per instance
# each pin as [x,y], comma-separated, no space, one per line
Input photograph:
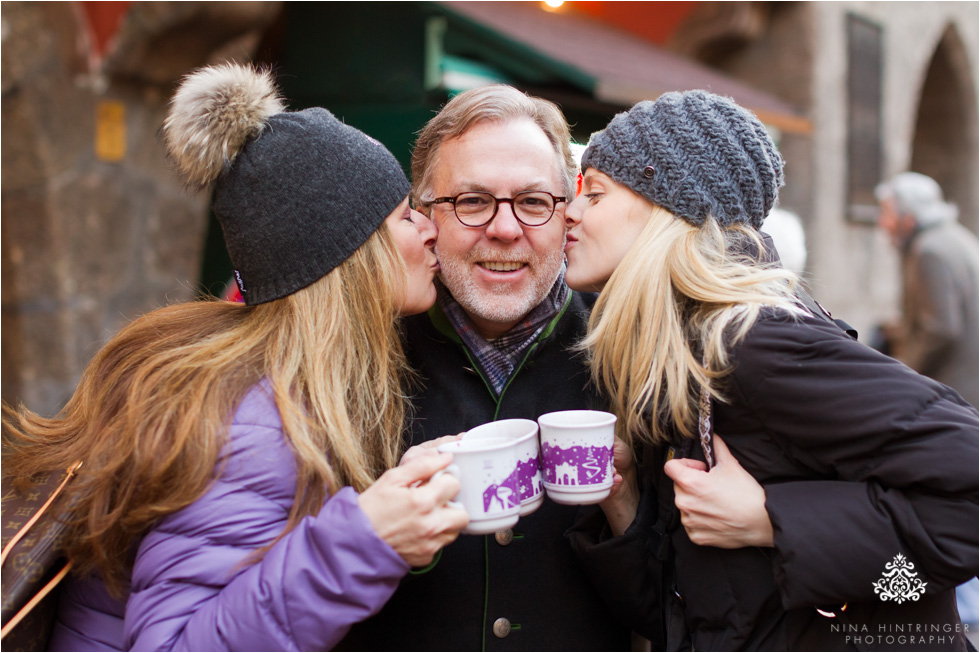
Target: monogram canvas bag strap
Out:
[9,546]
[38,559]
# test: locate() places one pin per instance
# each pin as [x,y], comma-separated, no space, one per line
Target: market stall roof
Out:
[614,66]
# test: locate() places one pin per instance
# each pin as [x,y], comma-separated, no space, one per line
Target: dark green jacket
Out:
[532,580]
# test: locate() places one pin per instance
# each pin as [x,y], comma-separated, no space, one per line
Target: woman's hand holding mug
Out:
[624,498]
[413,516]
[428,448]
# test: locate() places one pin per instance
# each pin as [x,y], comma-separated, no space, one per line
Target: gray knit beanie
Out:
[296,193]
[693,153]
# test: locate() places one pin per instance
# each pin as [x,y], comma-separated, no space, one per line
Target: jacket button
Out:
[501,627]
[504,537]
[648,172]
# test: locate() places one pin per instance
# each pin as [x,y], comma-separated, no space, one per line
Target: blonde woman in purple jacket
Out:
[234,493]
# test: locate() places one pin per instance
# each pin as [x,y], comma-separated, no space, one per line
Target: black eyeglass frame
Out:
[496,206]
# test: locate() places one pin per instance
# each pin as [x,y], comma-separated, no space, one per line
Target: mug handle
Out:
[452,470]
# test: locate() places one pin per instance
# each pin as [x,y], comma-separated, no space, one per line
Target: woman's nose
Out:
[573,212]
[427,228]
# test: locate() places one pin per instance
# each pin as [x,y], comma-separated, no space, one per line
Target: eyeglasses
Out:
[476,209]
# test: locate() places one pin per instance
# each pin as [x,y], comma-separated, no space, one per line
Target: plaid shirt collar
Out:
[498,358]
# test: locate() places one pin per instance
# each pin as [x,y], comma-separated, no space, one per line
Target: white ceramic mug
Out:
[577,455]
[524,434]
[486,469]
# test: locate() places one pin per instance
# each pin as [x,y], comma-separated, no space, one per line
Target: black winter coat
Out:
[861,459]
[530,577]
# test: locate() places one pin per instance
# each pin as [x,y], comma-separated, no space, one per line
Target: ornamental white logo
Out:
[899,582]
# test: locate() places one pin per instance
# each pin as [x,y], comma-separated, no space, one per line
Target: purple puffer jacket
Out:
[192,588]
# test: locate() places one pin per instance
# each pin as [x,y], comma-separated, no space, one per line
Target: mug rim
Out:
[531,424]
[605,419]
[491,444]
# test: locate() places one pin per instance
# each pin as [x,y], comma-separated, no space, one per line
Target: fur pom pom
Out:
[212,115]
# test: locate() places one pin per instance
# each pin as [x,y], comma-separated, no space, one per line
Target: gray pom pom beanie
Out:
[296,193]
[693,153]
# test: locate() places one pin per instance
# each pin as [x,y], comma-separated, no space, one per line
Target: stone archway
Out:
[945,142]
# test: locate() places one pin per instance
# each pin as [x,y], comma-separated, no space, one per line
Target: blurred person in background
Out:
[938,332]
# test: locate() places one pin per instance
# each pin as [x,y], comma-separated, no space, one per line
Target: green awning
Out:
[489,42]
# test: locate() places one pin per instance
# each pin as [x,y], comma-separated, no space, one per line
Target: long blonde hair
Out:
[664,324]
[151,413]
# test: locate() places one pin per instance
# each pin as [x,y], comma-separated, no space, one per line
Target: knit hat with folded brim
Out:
[695,154]
[296,193]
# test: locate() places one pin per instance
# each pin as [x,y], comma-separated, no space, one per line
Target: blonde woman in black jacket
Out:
[840,509]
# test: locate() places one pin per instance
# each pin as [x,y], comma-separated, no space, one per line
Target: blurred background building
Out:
[97,230]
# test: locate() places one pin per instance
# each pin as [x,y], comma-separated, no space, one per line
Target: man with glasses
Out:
[494,171]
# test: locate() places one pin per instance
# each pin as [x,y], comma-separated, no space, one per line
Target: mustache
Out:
[523,255]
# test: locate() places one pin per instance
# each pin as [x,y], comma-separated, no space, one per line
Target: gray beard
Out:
[498,303]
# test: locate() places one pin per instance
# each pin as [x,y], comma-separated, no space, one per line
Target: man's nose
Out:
[505,225]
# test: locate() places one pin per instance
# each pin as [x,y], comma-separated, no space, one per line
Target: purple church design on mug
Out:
[576,465]
[502,496]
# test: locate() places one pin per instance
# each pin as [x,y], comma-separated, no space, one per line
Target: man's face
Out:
[502,270]
[897,226]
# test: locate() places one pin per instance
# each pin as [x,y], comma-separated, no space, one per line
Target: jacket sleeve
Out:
[892,454]
[197,586]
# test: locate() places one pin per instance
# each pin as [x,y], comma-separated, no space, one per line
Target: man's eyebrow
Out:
[474,186]
[470,186]
[540,184]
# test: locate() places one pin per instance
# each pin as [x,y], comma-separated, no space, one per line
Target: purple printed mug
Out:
[577,455]
[524,434]
[487,473]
